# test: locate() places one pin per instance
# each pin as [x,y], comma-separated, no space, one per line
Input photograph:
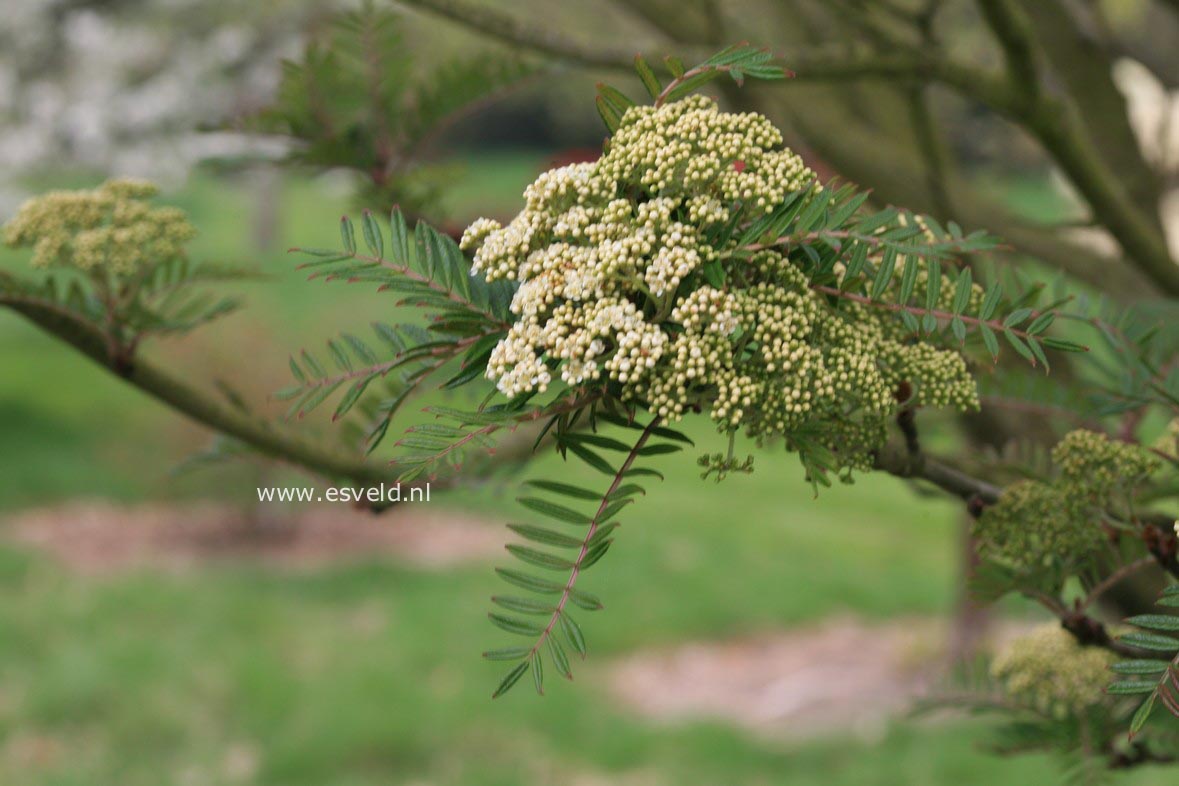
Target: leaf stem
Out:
[994,324]
[575,572]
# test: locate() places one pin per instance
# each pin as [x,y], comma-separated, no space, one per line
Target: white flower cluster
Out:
[112,227]
[1047,669]
[610,260]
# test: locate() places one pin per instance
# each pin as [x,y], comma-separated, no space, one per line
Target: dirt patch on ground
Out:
[839,675]
[100,537]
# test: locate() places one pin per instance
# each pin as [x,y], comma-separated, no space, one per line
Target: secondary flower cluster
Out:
[1048,670]
[1098,465]
[1037,524]
[111,227]
[610,257]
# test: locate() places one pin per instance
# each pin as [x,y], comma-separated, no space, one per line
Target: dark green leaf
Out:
[560,660]
[1041,323]
[962,291]
[538,673]
[597,440]
[540,559]
[1019,345]
[373,237]
[553,510]
[351,397]
[617,100]
[992,343]
[595,553]
[643,472]
[530,583]
[546,536]
[933,286]
[1017,316]
[658,449]
[884,274]
[959,329]
[515,625]
[348,235]
[591,458]
[990,302]
[572,633]
[399,234]
[1061,345]
[647,77]
[585,600]
[1150,641]
[1165,622]
[1140,667]
[610,510]
[609,115]
[1142,714]
[714,274]
[1130,687]
[522,605]
[511,679]
[908,279]
[564,489]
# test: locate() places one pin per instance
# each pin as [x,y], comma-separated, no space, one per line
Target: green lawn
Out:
[369,673]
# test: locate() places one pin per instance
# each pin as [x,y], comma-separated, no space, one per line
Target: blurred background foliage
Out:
[363,671]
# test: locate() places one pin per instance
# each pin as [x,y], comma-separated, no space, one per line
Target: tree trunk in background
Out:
[266,188]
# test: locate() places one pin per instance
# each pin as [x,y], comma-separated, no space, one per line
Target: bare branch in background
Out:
[513,31]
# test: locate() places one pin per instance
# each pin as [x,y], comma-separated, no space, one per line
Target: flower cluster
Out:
[1097,464]
[1048,670]
[611,261]
[1036,524]
[112,227]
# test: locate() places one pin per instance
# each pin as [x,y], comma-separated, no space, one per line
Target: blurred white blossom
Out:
[138,87]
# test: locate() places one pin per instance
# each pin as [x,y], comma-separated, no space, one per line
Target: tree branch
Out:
[268,438]
[1014,34]
[1059,127]
[513,31]
[1110,581]
[1092,632]
[899,462]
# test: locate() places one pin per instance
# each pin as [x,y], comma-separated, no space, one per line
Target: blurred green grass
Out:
[369,673]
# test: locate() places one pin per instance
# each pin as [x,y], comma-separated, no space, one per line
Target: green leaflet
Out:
[511,679]
[540,559]
[546,536]
[553,510]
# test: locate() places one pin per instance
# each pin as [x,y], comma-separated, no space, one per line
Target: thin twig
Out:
[1113,579]
[994,324]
